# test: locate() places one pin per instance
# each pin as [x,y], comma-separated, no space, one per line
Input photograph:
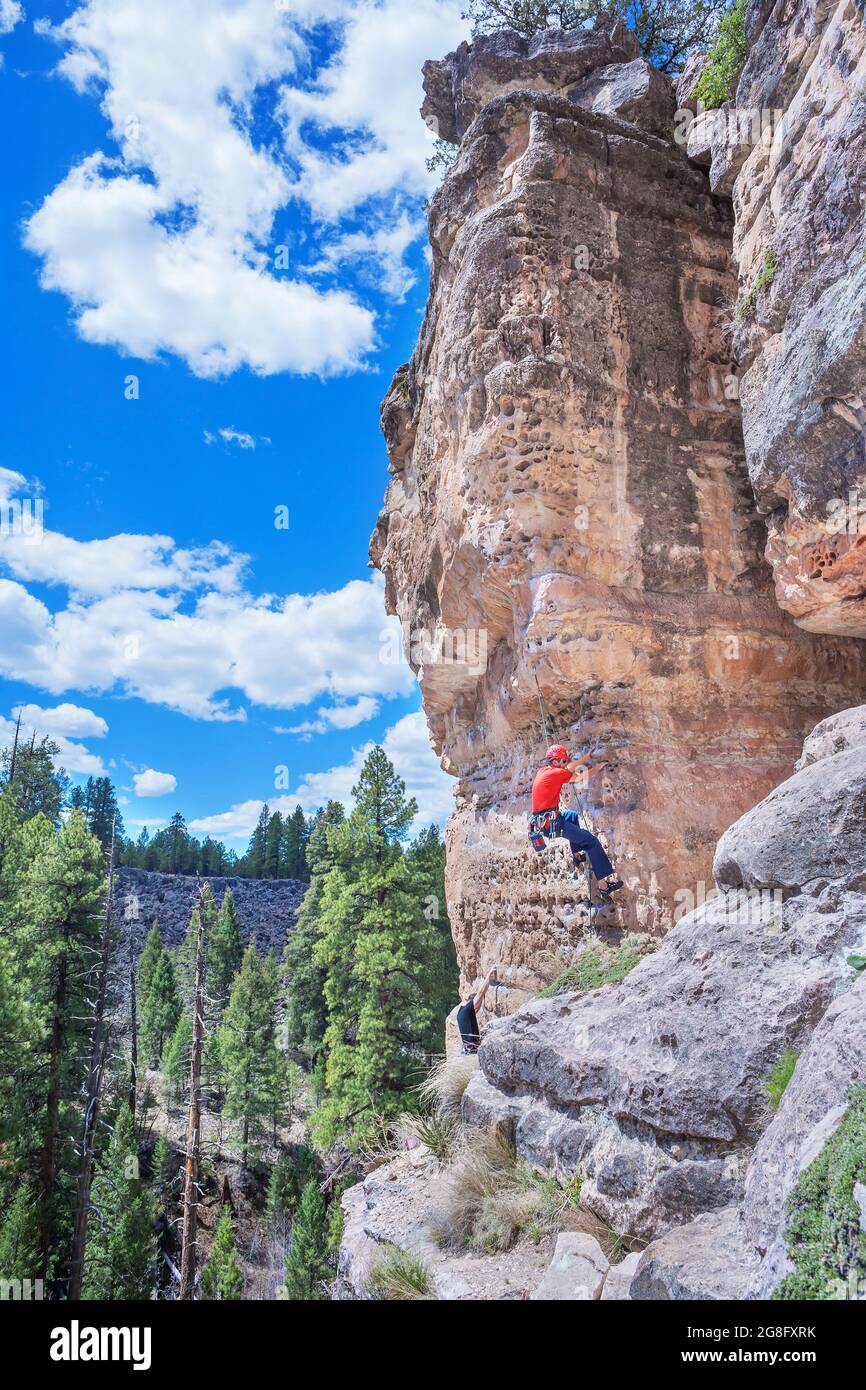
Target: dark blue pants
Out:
[568,824]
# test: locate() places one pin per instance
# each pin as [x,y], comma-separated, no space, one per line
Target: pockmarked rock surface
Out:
[796,138]
[656,1088]
[569,536]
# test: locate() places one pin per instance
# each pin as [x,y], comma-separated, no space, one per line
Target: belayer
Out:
[547,819]
[467,1017]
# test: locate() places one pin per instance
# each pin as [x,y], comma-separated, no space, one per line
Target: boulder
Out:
[459,86]
[687,81]
[812,827]
[617,1285]
[841,731]
[576,1272]
[635,91]
[707,1259]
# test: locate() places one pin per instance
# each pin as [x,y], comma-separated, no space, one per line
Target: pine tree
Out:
[426,860]
[289,1177]
[149,957]
[375,945]
[271,861]
[306,1013]
[36,784]
[120,1258]
[222,1278]
[102,811]
[175,846]
[225,953]
[254,858]
[162,1007]
[280,1199]
[164,1167]
[245,1045]
[307,1260]
[19,1236]
[64,890]
[175,1060]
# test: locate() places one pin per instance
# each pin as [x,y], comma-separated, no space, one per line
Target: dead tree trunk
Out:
[93,1091]
[193,1124]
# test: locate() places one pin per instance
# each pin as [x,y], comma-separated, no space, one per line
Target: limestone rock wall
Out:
[656,1088]
[799,204]
[570,512]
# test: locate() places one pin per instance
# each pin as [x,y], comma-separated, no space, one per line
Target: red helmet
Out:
[556,754]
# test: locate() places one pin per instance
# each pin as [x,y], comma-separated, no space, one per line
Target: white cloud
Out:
[406,743]
[11,13]
[190,634]
[277,652]
[177,88]
[151,783]
[12,484]
[345,716]
[71,721]
[63,725]
[231,436]
[379,255]
[99,568]
[367,100]
[188,192]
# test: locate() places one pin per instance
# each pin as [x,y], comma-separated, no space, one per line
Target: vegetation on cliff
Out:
[825,1234]
[725,60]
[667,30]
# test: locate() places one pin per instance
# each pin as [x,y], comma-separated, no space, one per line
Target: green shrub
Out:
[763,280]
[823,1233]
[779,1077]
[398,1276]
[725,60]
[440,1133]
[597,966]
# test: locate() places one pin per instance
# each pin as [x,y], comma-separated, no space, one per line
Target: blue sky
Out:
[215,249]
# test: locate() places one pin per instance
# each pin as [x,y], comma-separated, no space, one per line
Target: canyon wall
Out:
[569,535]
[798,197]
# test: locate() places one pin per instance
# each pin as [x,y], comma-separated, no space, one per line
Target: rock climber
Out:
[467,1017]
[557,770]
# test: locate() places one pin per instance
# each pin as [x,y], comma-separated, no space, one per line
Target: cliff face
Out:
[570,515]
[798,199]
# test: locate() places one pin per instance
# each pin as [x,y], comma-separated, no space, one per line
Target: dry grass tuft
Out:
[398,1276]
[442,1088]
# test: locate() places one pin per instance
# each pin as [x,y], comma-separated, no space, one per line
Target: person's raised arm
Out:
[489,980]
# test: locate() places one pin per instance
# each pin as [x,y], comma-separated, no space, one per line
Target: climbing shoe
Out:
[612,886]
